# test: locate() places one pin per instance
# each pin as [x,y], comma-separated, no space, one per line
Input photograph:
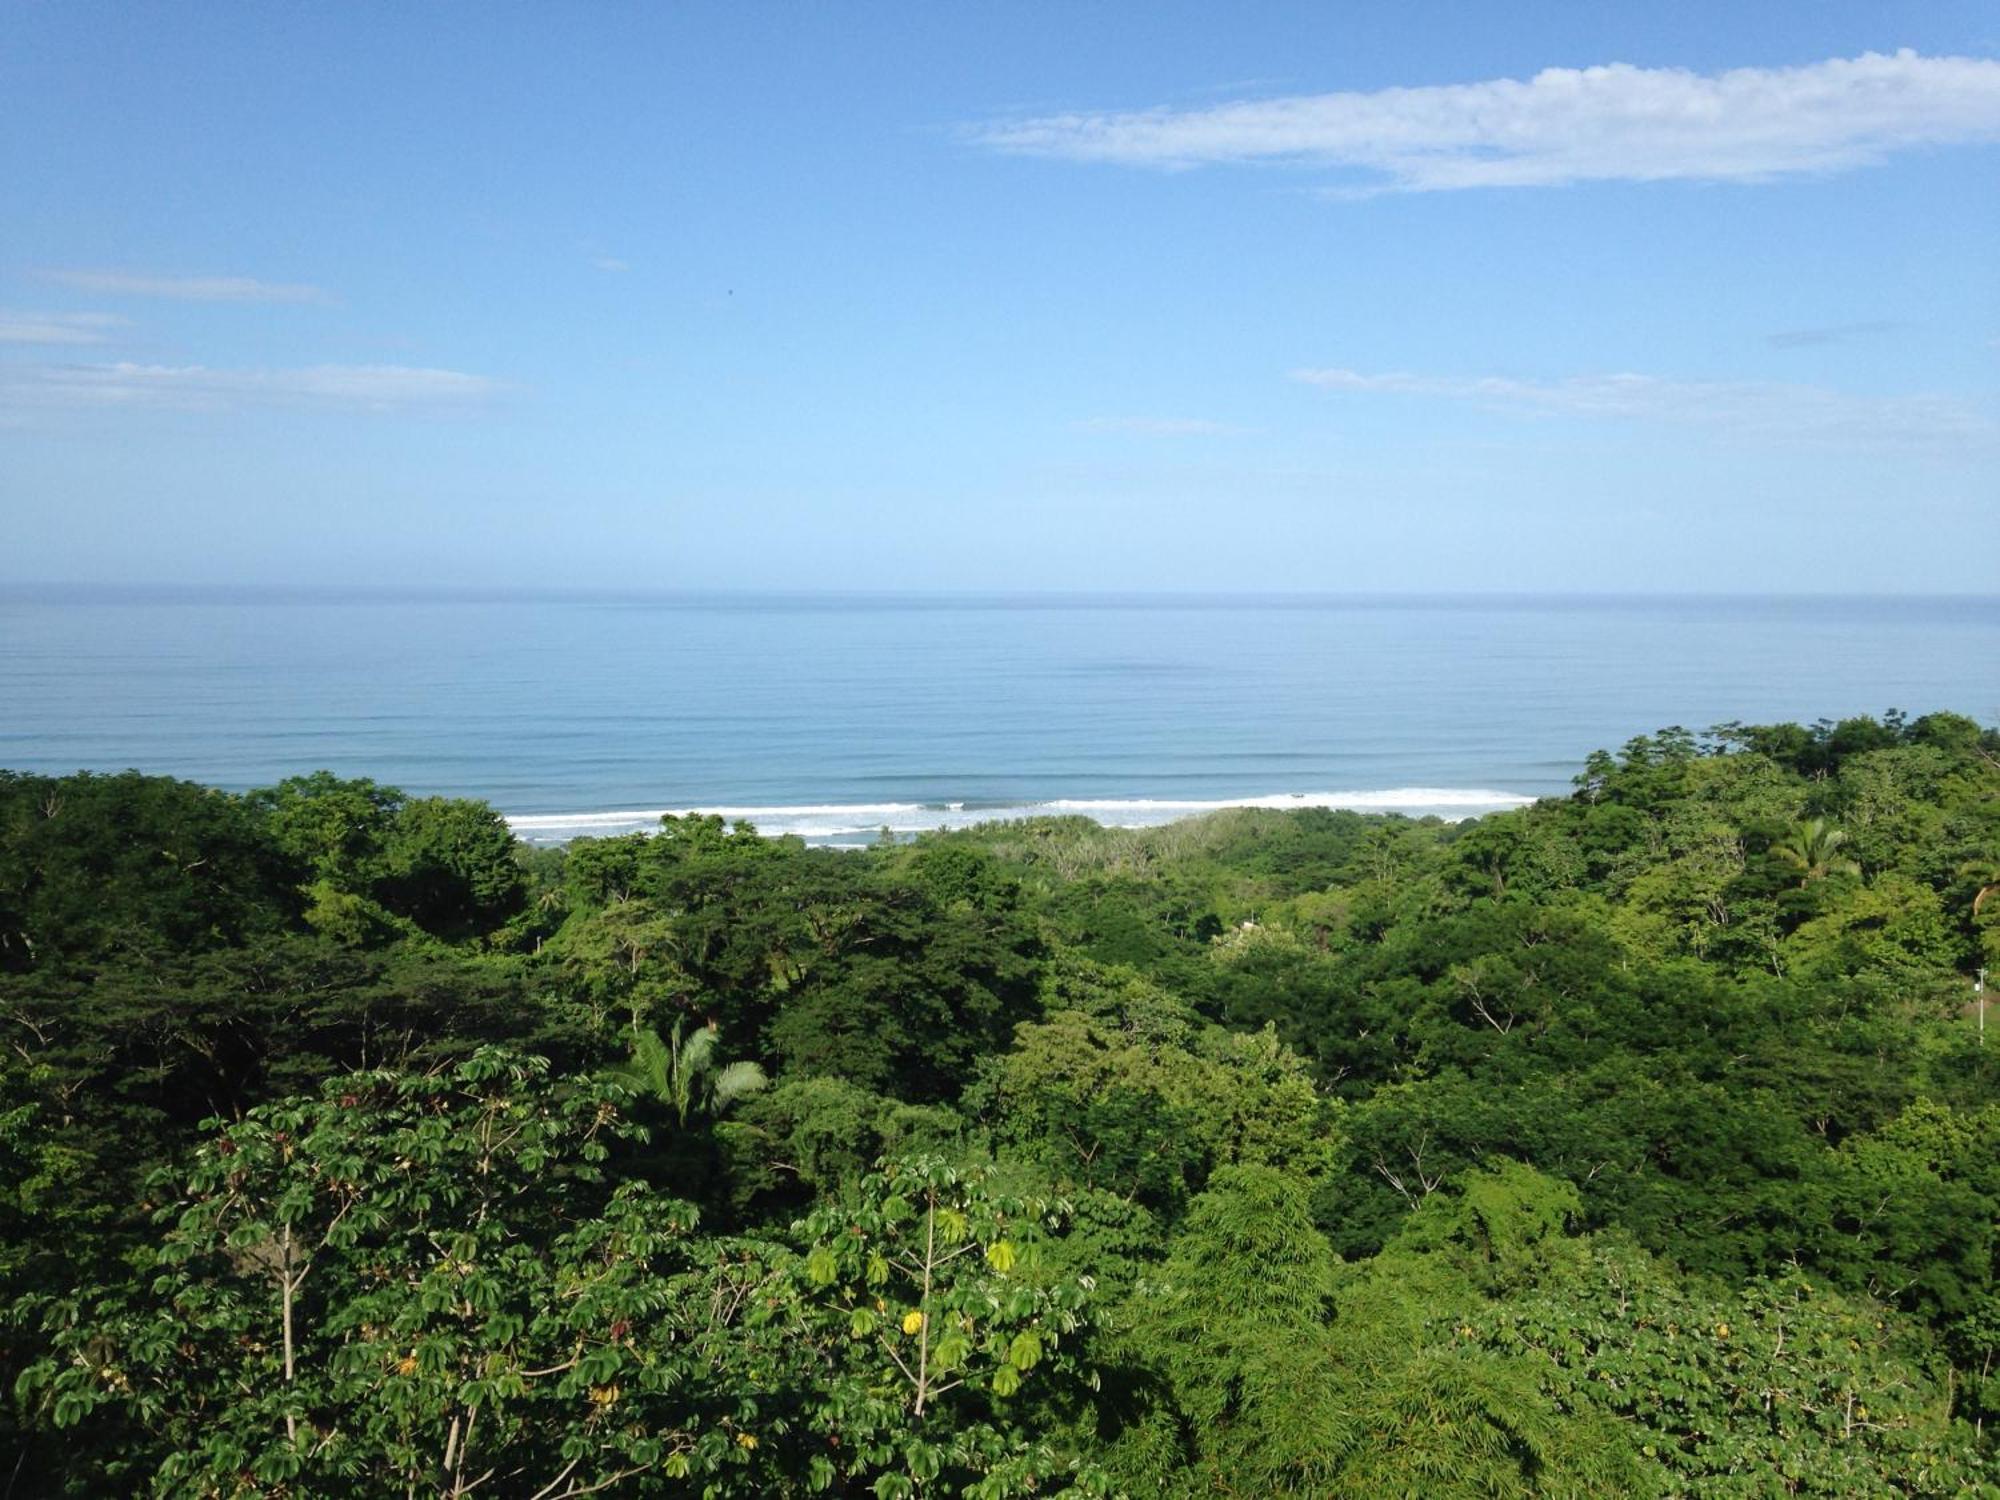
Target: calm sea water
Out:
[835,716]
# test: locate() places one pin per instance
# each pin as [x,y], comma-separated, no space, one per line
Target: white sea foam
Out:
[849,822]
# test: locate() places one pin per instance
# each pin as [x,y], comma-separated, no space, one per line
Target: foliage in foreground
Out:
[1637,1142]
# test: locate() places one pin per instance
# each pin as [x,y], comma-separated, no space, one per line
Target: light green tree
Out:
[684,1071]
[1813,849]
[914,1347]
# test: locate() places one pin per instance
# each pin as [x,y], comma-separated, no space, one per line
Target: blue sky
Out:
[1362,297]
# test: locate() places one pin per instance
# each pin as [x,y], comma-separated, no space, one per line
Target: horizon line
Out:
[80,591]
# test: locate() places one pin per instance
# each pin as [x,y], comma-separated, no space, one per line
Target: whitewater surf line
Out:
[847,822]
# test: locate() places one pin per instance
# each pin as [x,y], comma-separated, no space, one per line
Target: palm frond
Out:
[738,1080]
[651,1068]
[697,1052]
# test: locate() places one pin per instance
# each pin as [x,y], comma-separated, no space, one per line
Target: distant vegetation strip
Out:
[847,822]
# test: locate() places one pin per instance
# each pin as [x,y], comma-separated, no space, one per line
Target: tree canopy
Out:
[1642,1140]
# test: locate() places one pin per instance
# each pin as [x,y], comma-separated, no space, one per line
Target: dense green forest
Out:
[1641,1142]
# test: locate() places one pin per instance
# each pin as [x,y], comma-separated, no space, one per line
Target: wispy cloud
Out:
[1762,410]
[1159,426]
[1564,125]
[1838,333]
[383,388]
[56,327]
[610,263]
[183,288]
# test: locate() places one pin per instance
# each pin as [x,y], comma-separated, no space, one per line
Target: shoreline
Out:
[842,823]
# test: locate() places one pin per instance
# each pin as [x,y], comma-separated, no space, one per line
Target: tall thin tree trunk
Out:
[288,1286]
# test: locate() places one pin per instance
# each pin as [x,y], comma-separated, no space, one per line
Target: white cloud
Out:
[610,263]
[56,327]
[198,388]
[183,288]
[1763,410]
[1564,125]
[1159,426]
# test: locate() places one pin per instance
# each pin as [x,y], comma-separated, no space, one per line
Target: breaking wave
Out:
[859,822]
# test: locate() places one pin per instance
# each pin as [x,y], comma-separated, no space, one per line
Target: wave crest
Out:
[856,822]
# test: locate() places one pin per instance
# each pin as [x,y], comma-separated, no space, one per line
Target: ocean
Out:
[833,716]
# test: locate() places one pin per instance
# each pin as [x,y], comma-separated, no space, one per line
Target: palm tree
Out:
[683,1072]
[1812,848]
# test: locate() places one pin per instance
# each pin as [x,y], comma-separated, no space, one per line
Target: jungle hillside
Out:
[1642,1141]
